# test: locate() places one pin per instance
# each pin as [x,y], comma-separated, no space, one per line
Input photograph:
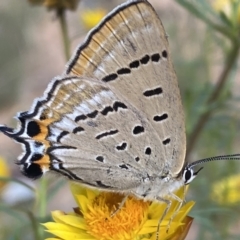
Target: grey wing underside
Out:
[100,139]
[129,52]
[115,117]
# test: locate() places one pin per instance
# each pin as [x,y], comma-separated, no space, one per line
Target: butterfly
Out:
[114,119]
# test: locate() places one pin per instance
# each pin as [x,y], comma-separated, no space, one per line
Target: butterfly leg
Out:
[168,202]
[119,206]
[181,201]
[184,193]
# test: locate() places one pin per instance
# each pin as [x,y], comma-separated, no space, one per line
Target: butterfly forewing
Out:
[129,52]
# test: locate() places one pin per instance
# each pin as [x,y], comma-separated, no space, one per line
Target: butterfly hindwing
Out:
[83,130]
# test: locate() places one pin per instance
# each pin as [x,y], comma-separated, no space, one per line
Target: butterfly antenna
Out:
[216,158]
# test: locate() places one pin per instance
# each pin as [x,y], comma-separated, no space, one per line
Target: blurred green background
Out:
[204,43]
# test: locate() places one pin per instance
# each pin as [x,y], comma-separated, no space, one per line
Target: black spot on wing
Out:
[110,77]
[33,129]
[153,92]
[148,151]
[33,170]
[164,54]
[80,117]
[138,130]
[159,118]
[134,64]
[106,110]
[145,59]
[118,105]
[122,146]
[78,129]
[92,114]
[100,158]
[105,134]
[137,159]
[61,135]
[155,57]
[166,141]
[122,71]
[123,166]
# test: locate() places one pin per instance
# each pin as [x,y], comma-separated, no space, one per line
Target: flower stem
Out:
[37,231]
[64,30]
[42,202]
[42,197]
[231,59]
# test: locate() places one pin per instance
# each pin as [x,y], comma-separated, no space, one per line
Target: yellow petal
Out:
[52,239]
[82,202]
[4,172]
[65,235]
[183,230]
[185,209]
[91,18]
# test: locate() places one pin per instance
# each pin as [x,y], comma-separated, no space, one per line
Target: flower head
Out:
[135,220]
[226,191]
[4,172]
[229,9]
[90,18]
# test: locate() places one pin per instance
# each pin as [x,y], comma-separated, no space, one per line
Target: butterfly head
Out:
[189,174]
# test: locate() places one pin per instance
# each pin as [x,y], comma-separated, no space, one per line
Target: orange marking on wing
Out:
[41,137]
[44,161]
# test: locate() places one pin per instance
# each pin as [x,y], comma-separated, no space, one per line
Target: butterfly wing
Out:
[129,52]
[115,117]
[83,130]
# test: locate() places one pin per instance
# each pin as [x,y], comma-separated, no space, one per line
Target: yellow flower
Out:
[4,172]
[226,191]
[68,4]
[136,220]
[230,8]
[91,18]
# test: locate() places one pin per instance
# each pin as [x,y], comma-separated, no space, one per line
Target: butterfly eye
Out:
[188,175]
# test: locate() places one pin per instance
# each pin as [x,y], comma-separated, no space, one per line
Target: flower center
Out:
[121,226]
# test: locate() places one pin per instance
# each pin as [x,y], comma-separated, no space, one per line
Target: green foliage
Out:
[212,112]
